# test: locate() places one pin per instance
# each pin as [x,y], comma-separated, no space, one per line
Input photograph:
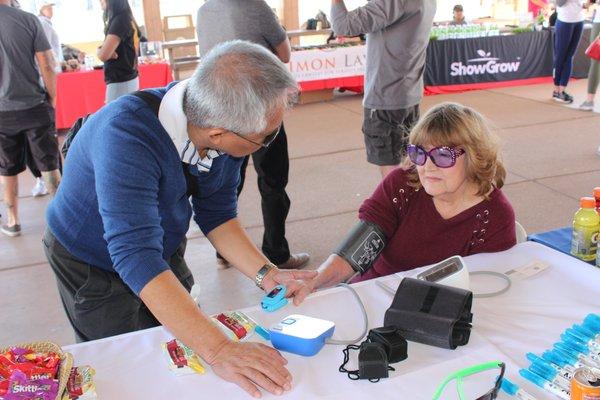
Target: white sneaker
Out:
[39,189]
[587,106]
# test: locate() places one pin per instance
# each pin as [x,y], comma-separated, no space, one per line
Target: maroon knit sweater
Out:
[417,233]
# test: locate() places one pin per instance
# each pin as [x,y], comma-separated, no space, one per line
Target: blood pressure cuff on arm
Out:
[433,314]
[362,246]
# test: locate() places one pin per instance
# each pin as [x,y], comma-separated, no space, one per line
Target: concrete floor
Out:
[549,151]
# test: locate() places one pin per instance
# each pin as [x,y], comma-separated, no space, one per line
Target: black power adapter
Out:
[372,361]
[393,342]
[383,346]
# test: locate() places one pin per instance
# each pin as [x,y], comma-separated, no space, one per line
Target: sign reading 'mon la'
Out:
[337,62]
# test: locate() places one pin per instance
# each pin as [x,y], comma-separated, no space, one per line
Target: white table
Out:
[530,317]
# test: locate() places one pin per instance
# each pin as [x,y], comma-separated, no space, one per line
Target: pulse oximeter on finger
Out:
[275,299]
[301,335]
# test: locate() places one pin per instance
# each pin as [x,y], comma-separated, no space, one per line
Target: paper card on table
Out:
[528,270]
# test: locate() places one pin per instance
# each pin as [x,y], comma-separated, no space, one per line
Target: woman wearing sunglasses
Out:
[444,200]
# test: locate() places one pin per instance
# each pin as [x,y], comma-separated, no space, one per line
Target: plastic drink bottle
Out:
[586,226]
[597,197]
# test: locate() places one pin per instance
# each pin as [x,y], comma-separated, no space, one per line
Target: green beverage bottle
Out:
[586,227]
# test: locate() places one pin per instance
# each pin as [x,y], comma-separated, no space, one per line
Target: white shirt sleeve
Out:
[54,41]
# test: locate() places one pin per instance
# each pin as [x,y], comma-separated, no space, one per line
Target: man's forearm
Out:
[233,243]
[48,73]
[172,305]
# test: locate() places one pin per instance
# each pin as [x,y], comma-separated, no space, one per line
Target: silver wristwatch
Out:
[260,275]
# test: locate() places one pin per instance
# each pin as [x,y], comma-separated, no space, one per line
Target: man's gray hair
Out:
[238,86]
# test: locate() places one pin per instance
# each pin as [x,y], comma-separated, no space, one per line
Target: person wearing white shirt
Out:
[46,12]
[594,72]
[568,30]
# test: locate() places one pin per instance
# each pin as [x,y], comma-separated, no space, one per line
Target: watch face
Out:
[274,292]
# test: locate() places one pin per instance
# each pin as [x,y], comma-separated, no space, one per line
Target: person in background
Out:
[46,12]
[568,30]
[119,52]
[594,72]
[458,16]
[39,189]
[397,38]
[219,21]
[444,200]
[26,106]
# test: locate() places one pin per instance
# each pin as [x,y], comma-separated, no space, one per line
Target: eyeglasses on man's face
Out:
[265,143]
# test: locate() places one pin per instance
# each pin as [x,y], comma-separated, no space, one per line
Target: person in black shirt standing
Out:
[26,107]
[119,51]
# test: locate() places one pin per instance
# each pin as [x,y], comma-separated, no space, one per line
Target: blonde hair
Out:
[455,125]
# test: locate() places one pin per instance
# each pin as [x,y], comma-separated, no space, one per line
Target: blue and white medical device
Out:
[301,335]
[306,336]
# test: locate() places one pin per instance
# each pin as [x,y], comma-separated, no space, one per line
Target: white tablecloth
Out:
[530,317]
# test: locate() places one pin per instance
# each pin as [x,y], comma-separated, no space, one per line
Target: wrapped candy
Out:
[34,365]
[3,386]
[81,384]
[182,360]
[20,387]
[235,324]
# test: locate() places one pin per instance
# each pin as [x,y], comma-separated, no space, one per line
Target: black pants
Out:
[97,302]
[30,162]
[272,166]
[24,132]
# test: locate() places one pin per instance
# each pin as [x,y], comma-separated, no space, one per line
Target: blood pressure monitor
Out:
[451,272]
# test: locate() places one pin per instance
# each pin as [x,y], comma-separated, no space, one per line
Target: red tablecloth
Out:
[81,93]
[355,84]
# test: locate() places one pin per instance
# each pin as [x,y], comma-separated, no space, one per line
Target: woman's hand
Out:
[295,282]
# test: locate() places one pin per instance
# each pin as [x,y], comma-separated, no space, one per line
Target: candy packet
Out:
[20,387]
[34,365]
[235,324]
[81,384]
[182,360]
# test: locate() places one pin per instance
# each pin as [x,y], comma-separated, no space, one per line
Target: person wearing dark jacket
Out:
[118,250]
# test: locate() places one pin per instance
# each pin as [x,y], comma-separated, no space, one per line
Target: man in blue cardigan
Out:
[116,228]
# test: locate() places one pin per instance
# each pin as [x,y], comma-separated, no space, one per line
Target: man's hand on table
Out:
[252,365]
[294,281]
